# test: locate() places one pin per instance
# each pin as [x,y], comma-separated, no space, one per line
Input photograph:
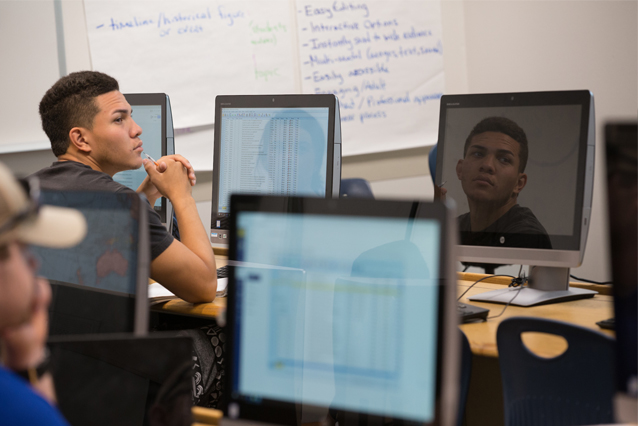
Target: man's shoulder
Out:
[464,222]
[519,212]
[74,176]
[20,405]
[524,220]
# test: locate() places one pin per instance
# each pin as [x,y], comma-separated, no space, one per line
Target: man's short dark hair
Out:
[71,103]
[507,127]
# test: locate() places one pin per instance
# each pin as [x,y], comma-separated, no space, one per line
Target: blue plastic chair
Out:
[356,187]
[432,162]
[573,388]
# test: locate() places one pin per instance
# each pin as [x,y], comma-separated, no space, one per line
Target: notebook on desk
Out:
[352,321]
[157,293]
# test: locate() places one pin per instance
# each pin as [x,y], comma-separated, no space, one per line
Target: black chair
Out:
[122,379]
[100,285]
[466,372]
[356,187]
[466,350]
[573,388]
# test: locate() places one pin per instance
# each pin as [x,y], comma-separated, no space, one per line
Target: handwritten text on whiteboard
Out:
[384,60]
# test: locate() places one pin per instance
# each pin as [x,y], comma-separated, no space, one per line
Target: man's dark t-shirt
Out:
[518,227]
[74,176]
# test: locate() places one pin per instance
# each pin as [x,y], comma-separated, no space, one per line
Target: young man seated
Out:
[93,135]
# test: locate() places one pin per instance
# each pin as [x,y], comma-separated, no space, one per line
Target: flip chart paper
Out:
[384,60]
[193,50]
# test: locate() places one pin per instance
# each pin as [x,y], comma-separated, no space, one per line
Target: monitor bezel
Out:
[152,99]
[564,257]
[288,413]
[271,101]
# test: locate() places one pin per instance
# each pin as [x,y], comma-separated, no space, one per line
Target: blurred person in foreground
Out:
[27,395]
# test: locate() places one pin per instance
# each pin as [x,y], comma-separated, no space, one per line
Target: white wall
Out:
[516,46]
[561,45]
[29,66]
[490,46]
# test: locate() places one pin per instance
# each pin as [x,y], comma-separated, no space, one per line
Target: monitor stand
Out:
[546,285]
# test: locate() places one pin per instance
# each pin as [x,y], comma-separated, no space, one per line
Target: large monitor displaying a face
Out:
[516,166]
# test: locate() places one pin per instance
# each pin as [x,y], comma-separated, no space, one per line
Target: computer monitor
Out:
[538,216]
[152,112]
[100,285]
[348,316]
[273,144]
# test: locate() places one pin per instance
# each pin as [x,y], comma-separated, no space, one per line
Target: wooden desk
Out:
[482,335]
[484,404]
[485,397]
[216,309]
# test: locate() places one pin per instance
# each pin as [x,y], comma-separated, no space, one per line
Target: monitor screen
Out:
[280,145]
[519,167]
[334,313]
[152,112]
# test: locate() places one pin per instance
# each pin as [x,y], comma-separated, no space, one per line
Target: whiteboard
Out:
[383,59]
[193,50]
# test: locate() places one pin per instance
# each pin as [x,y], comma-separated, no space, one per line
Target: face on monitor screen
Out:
[514,173]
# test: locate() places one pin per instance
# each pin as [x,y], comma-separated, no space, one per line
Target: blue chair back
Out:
[432,162]
[356,187]
[573,388]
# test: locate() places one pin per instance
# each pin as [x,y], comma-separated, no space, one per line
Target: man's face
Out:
[18,285]
[114,138]
[489,172]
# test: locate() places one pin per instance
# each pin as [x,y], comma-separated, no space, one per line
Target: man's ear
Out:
[79,139]
[520,183]
[459,167]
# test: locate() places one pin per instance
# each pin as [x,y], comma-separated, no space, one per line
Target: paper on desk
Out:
[157,293]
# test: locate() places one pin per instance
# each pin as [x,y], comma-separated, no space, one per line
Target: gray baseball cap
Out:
[23,219]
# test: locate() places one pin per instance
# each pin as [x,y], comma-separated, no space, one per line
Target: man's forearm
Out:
[188,267]
[192,232]
[152,198]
